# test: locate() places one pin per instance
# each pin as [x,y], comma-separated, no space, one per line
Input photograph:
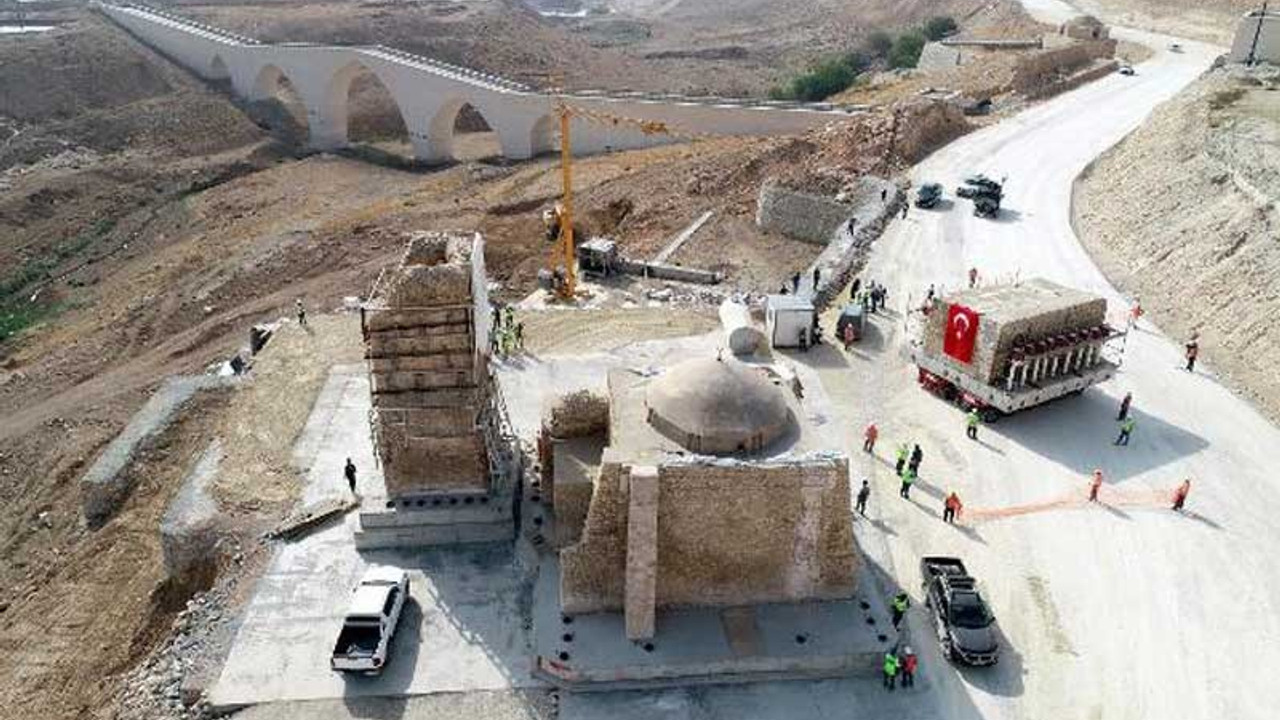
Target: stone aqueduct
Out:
[430,94]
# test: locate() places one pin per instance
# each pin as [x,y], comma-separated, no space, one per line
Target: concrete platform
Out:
[700,646]
[464,629]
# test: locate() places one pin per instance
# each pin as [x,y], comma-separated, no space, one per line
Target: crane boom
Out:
[566,248]
[566,213]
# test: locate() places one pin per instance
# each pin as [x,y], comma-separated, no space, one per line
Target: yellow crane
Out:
[565,249]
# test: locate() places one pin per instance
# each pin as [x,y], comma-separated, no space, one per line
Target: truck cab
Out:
[376,605]
[961,618]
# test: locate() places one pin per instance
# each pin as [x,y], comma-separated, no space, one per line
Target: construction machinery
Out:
[1003,348]
[985,193]
[562,275]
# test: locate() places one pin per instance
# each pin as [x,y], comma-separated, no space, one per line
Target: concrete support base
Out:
[452,520]
[708,646]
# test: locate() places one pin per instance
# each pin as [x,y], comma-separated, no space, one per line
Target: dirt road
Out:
[1119,610]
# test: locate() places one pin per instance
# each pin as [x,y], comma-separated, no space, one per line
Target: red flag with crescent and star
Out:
[962,333]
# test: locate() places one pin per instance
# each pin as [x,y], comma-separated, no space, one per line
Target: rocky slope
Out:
[1208,20]
[1182,214]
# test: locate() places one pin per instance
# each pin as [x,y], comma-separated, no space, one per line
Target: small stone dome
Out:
[717,407]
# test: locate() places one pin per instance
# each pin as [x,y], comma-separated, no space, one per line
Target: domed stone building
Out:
[713,489]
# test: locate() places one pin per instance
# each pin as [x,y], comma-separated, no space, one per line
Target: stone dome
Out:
[717,407]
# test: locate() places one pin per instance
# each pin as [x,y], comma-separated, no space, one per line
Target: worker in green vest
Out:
[903,452]
[890,669]
[971,423]
[908,477]
[1126,429]
[898,607]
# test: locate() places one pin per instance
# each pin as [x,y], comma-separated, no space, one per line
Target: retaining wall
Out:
[106,485]
[800,215]
[1038,74]
[846,251]
[1074,81]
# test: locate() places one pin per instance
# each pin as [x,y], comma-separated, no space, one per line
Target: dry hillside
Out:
[1183,215]
[695,46]
[1212,21]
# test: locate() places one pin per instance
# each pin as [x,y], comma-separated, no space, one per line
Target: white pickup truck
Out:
[369,625]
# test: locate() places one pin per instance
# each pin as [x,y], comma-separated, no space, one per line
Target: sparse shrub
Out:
[939,26]
[879,43]
[906,49]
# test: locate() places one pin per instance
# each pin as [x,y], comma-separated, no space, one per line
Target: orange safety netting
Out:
[1114,497]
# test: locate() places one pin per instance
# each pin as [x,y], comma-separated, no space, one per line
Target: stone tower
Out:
[426,332]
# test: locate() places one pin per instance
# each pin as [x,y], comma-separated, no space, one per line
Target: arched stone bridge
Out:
[429,93]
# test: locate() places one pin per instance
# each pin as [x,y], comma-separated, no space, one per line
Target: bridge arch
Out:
[277,104]
[545,136]
[444,128]
[218,69]
[379,115]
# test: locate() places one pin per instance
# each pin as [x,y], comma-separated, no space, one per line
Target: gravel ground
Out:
[493,705]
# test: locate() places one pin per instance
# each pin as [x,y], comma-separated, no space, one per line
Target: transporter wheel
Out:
[949,392]
[990,415]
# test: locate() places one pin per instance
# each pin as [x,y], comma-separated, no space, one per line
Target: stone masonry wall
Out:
[593,572]
[729,533]
[1045,69]
[799,215]
[427,370]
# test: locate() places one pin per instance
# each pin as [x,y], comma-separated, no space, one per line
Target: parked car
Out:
[1126,70]
[961,619]
[929,195]
[365,640]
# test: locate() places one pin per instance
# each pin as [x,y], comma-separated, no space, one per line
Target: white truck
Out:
[365,639]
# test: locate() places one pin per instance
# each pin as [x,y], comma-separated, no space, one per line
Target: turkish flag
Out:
[962,332]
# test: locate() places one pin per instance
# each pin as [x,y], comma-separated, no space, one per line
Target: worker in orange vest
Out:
[951,508]
[909,664]
[869,442]
[1094,485]
[1135,313]
[1180,495]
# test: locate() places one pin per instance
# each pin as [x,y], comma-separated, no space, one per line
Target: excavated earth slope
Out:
[1182,214]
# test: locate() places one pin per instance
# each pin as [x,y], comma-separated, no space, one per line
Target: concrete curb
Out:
[730,672]
[105,486]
